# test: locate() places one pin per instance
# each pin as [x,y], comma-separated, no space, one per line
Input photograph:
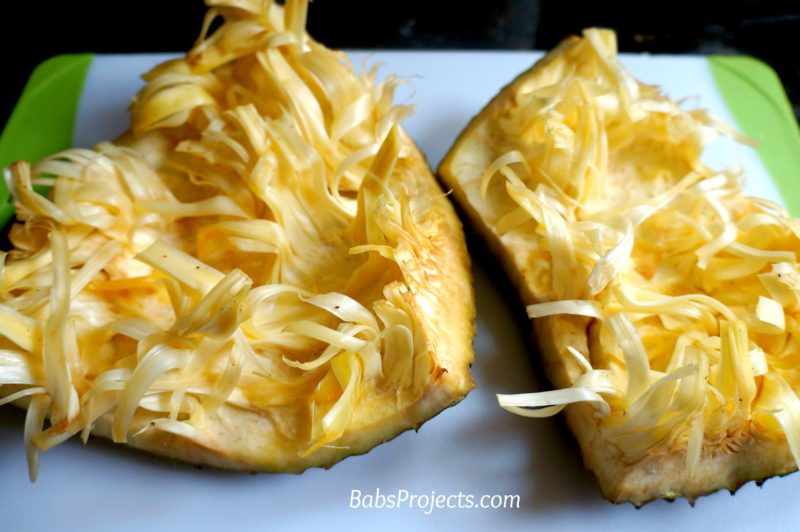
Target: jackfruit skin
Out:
[658,475]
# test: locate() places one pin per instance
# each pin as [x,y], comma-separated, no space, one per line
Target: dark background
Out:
[768,30]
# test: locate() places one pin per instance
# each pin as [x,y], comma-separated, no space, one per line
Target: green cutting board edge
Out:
[43,120]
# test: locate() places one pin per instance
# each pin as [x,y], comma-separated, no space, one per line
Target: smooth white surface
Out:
[474,448]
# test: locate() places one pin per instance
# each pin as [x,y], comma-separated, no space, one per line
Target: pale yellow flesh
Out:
[583,182]
[254,277]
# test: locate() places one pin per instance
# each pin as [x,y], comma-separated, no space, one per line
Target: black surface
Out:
[34,31]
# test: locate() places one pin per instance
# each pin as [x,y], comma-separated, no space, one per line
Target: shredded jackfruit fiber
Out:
[690,291]
[224,255]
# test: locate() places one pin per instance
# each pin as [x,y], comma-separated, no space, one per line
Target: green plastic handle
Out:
[43,121]
[755,97]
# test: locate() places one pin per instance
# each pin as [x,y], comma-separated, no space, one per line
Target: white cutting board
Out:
[474,448]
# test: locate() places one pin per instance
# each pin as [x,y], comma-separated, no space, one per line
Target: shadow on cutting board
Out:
[557,477]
